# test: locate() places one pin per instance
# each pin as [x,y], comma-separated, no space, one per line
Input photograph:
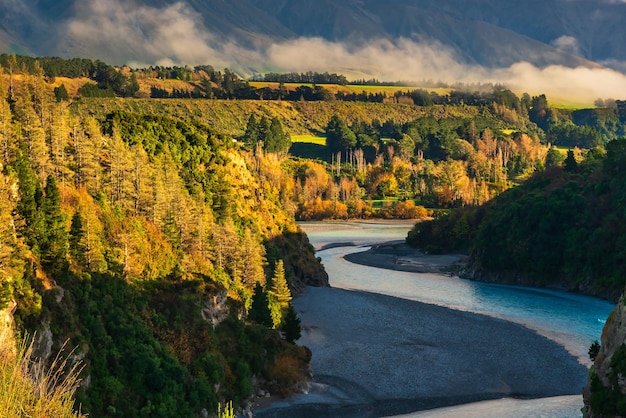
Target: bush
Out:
[284,373]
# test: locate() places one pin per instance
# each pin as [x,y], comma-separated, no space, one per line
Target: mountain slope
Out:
[240,32]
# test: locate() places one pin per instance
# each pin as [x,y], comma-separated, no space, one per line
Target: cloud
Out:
[173,35]
[408,60]
[567,44]
[579,84]
[176,35]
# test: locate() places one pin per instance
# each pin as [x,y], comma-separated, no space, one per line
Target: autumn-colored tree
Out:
[279,294]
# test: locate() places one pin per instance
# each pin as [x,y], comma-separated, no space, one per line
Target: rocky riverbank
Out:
[376,355]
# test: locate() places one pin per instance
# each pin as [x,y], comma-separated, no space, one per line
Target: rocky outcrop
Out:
[605,393]
[7,334]
[302,268]
[215,308]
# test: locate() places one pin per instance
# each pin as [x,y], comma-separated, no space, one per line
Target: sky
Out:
[175,35]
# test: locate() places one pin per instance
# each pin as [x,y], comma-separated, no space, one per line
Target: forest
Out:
[149,219]
[564,228]
[150,245]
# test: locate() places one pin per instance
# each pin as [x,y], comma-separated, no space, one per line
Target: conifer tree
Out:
[277,140]
[571,164]
[30,199]
[279,294]
[54,247]
[260,310]
[77,249]
[11,263]
[292,325]
[58,134]
[61,94]
[251,137]
[31,132]
[279,287]
[252,255]
[87,147]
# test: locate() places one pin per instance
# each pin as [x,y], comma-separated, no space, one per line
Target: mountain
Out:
[256,34]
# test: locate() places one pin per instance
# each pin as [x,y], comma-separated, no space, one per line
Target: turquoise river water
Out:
[572,320]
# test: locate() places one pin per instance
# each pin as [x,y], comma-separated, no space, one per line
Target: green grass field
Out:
[309,139]
[353,88]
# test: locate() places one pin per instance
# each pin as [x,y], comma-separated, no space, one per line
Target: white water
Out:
[574,321]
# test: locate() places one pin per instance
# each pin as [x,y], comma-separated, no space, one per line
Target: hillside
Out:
[562,228]
[149,243]
[231,116]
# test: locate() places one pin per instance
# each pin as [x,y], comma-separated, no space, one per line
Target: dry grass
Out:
[30,389]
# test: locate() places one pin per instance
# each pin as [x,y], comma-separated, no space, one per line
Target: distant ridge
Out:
[489,33]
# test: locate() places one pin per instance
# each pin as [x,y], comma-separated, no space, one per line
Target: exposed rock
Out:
[7,336]
[60,293]
[215,309]
[42,347]
[604,393]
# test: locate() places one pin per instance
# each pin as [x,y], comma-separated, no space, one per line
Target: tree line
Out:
[308,77]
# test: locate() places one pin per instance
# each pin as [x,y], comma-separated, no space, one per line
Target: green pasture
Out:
[309,139]
[353,88]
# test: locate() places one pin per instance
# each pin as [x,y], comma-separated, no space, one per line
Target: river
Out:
[574,321]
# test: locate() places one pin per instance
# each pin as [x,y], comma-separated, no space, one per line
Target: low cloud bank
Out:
[176,35]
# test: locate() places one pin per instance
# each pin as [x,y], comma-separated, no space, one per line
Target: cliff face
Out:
[605,393]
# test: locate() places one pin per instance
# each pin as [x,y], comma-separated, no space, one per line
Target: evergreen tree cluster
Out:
[270,134]
[308,77]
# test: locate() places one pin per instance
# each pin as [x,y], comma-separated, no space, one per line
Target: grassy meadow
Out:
[309,139]
[352,88]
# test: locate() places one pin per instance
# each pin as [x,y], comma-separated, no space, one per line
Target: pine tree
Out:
[279,294]
[6,137]
[252,255]
[292,325]
[31,132]
[60,94]
[11,261]
[29,189]
[251,136]
[279,287]
[58,135]
[571,164]
[277,141]
[77,249]
[260,310]
[54,247]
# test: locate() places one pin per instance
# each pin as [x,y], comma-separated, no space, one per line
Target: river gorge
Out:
[388,342]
